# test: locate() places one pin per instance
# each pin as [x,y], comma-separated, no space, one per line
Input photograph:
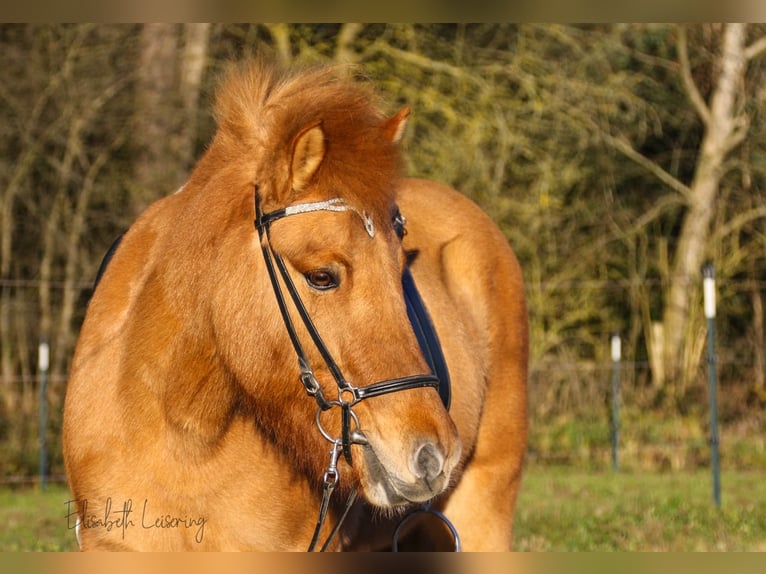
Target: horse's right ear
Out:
[394,126]
[308,150]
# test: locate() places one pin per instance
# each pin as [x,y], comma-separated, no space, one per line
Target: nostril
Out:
[428,462]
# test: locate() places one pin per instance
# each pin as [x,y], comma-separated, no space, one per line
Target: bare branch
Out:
[659,208]
[422,61]
[738,221]
[686,75]
[280,32]
[738,133]
[756,48]
[344,51]
[624,147]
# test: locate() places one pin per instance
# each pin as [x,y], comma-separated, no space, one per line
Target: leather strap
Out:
[262,224]
[427,337]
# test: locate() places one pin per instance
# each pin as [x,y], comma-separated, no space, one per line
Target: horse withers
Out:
[247,376]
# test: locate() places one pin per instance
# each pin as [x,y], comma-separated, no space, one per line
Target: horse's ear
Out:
[394,126]
[308,152]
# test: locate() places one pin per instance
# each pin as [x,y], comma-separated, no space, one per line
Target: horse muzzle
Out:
[420,474]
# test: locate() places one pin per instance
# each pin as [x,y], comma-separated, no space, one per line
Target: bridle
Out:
[348,394]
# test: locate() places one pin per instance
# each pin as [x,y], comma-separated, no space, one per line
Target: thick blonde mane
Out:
[257,98]
[260,107]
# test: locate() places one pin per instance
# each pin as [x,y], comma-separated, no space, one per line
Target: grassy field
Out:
[34,521]
[559,509]
[566,510]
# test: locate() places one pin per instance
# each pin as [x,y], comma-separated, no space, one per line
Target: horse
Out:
[247,376]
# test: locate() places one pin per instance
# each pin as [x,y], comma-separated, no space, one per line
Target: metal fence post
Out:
[43,362]
[616,357]
[708,284]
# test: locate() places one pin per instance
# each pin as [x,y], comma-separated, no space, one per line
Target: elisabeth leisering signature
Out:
[124,517]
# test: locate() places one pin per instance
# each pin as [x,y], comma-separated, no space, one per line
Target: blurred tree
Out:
[62,140]
[616,158]
[713,100]
[194,61]
[725,126]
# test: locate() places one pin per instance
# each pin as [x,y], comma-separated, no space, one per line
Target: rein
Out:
[348,394]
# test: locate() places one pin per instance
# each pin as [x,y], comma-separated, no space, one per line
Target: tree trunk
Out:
[723,131]
[158,168]
[759,334]
[280,33]
[193,62]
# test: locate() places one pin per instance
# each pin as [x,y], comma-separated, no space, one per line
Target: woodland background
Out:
[617,159]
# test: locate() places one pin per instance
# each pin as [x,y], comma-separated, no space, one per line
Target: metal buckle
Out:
[331,475]
[356,435]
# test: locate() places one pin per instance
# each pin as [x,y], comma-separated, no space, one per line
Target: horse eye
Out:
[322,279]
[399,222]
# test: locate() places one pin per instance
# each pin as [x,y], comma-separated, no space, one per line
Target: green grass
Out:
[562,509]
[650,441]
[35,520]
[559,509]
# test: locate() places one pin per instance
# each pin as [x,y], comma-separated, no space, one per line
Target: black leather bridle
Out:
[348,394]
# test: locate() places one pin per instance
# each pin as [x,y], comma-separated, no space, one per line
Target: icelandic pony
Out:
[205,412]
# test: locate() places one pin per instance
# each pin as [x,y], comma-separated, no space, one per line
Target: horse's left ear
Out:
[308,152]
[394,126]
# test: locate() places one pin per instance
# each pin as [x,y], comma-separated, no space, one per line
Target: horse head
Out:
[319,168]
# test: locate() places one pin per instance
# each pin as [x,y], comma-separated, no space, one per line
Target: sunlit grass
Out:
[559,509]
[562,509]
[35,520]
